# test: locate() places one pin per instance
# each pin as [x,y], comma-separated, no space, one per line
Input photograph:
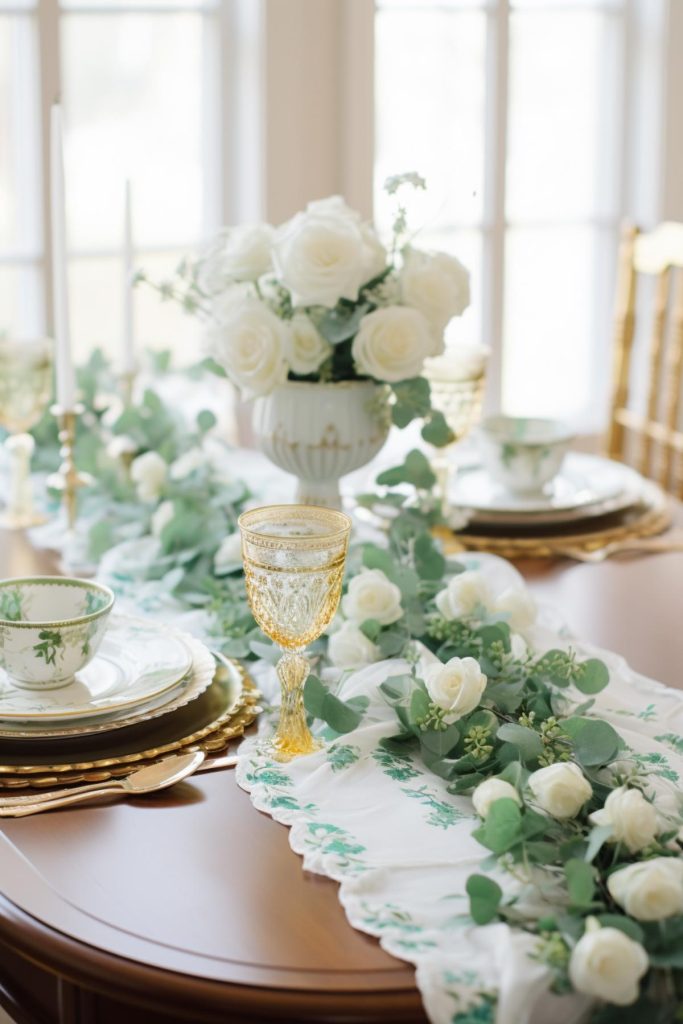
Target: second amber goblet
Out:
[294,558]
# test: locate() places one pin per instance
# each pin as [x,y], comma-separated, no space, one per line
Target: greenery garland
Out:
[612,882]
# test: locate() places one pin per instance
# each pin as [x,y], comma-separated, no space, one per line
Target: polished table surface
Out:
[190,905]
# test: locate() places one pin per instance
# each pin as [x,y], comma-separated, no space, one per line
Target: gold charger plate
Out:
[649,516]
[220,714]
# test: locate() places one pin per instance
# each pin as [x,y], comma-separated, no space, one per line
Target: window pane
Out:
[430,110]
[19,135]
[96,290]
[563,115]
[135,107]
[555,344]
[21,309]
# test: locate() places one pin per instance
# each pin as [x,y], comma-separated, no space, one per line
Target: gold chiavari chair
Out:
[653,440]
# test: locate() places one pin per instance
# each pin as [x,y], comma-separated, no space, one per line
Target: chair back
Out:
[651,439]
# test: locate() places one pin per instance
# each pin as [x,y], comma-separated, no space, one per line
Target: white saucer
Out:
[586,486]
[137,661]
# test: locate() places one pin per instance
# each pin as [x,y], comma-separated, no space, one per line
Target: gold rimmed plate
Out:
[208,723]
[193,684]
[137,661]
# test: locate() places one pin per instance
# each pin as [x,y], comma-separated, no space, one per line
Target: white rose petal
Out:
[607,964]
[325,254]
[489,791]
[372,596]
[250,347]
[437,285]
[121,447]
[456,687]
[242,253]
[463,595]
[349,647]
[148,472]
[162,517]
[187,463]
[228,558]
[632,818]
[650,890]
[392,344]
[561,789]
[305,348]
[519,607]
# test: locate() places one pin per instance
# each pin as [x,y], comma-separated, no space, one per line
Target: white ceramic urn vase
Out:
[321,432]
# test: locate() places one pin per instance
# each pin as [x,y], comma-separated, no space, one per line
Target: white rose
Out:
[436,284]
[121,448]
[607,964]
[633,820]
[187,463]
[223,304]
[228,558]
[372,596]
[250,347]
[325,254]
[463,595]
[456,686]
[305,347]
[148,472]
[561,789]
[489,791]
[349,647]
[242,253]
[519,607]
[518,647]
[162,517]
[392,344]
[650,890]
[464,361]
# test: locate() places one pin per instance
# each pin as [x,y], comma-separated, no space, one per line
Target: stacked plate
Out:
[141,671]
[590,501]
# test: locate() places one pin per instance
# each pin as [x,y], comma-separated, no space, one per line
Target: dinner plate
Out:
[586,486]
[193,684]
[136,662]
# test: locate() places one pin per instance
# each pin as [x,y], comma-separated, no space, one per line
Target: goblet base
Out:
[20,520]
[285,749]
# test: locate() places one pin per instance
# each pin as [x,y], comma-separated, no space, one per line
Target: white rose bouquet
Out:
[320,298]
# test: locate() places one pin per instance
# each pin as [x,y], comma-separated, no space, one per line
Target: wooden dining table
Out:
[191,906]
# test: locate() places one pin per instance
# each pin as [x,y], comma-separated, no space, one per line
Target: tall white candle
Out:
[128,354]
[66,381]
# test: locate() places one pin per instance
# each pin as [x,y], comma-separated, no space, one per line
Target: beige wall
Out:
[318,103]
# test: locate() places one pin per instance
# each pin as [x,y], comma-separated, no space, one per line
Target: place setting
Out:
[530,494]
[88,695]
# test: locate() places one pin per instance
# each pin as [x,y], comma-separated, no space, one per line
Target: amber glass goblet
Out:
[294,558]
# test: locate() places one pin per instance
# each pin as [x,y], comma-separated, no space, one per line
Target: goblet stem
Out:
[442,469]
[292,736]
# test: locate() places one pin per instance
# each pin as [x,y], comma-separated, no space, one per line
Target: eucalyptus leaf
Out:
[591,676]
[502,828]
[595,741]
[415,470]
[580,882]
[485,897]
[527,741]
[436,431]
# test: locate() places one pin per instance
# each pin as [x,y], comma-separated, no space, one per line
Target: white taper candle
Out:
[66,381]
[128,354]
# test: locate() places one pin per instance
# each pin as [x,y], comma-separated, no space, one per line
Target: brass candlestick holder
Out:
[68,480]
[127,379]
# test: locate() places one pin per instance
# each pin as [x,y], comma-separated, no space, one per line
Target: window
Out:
[140,85]
[523,116]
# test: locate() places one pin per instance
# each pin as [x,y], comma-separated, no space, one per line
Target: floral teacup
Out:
[50,627]
[523,454]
